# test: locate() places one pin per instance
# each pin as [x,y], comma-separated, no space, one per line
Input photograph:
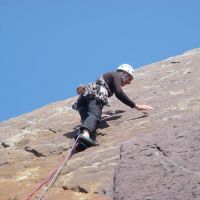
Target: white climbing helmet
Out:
[127,68]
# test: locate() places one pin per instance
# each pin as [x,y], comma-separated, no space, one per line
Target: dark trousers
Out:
[90,111]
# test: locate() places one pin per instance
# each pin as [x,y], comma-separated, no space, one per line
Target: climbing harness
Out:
[98,91]
[51,178]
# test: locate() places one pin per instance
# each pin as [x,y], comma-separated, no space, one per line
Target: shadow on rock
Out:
[143,116]
[103,124]
[111,118]
[104,120]
[113,112]
[71,134]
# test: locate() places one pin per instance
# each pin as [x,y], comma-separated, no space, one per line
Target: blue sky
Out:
[48,47]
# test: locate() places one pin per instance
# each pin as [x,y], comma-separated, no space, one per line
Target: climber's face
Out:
[126,79]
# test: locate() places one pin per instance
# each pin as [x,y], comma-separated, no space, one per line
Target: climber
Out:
[94,96]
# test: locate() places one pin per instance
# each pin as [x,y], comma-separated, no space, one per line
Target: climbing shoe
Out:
[81,147]
[86,141]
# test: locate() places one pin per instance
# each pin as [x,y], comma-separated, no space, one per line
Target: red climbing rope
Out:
[48,177]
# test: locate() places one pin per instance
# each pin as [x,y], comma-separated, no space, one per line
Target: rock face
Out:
[164,163]
[140,156]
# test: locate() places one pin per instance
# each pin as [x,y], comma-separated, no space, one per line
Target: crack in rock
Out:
[33,151]
[4,145]
[76,189]
[4,163]
[168,164]
[52,130]
[160,150]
